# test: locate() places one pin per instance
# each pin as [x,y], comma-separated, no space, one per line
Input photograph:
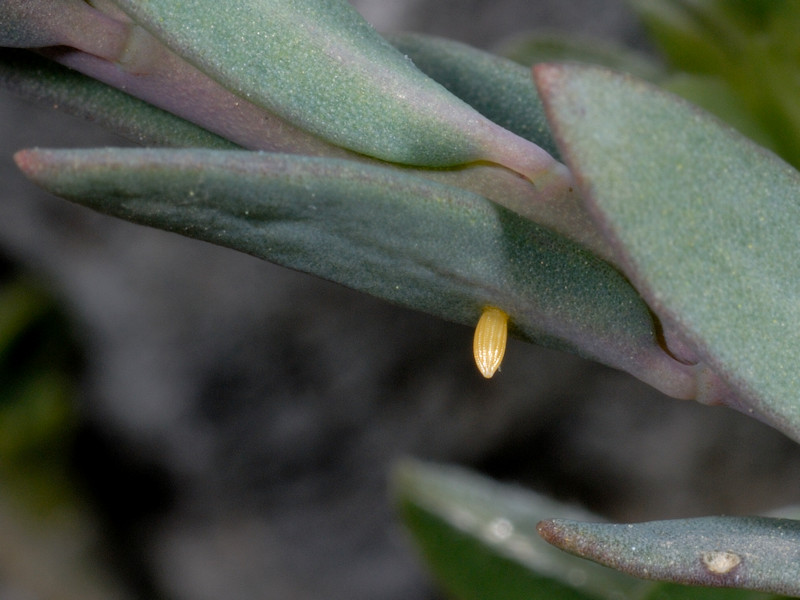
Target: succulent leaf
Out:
[151,72]
[705,222]
[504,92]
[480,538]
[753,553]
[428,246]
[498,88]
[40,23]
[44,81]
[321,67]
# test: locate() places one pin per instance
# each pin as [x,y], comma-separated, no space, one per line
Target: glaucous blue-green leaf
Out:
[754,553]
[40,23]
[706,224]
[151,72]
[304,76]
[504,92]
[146,69]
[498,88]
[320,66]
[716,96]
[44,81]
[428,246]
[480,539]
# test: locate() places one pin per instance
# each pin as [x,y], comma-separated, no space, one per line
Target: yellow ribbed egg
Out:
[489,344]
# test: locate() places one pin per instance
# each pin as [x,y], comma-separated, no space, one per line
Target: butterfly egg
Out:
[489,343]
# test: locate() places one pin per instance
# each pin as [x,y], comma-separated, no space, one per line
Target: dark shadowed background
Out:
[236,421]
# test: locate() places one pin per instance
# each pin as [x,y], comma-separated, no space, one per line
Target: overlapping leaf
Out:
[44,81]
[425,245]
[498,88]
[480,538]
[322,68]
[707,225]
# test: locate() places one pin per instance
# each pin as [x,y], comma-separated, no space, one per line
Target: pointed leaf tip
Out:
[544,74]
[280,55]
[27,161]
[38,163]
[369,227]
[753,553]
[478,536]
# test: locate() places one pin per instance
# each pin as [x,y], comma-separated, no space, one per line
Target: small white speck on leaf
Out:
[499,530]
[720,563]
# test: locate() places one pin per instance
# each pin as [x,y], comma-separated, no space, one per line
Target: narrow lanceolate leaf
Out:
[428,246]
[320,66]
[502,91]
[39,23]
[479,536]
[706,223]
[753,553]
[41,80]
[498,88]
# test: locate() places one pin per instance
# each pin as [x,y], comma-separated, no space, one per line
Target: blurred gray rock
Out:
[269,406]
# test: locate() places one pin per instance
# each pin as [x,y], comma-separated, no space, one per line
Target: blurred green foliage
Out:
[38,366]
[737,58]
[479,539]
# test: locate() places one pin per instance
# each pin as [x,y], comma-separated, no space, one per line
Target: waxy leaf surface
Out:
[502,91]
[44,81]
[428,246]
[755,553]
[498,88]
[320,66]
[40,23]
[479,536]
[706,224]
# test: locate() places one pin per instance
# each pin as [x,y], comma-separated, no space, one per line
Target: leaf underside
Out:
[705,224]
[421,244]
